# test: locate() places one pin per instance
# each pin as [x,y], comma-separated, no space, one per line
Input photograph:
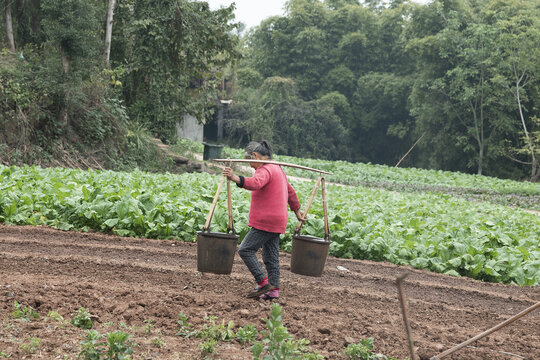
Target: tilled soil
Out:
[128,282]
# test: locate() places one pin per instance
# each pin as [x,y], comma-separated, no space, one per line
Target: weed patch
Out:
[23,312]
[82,319]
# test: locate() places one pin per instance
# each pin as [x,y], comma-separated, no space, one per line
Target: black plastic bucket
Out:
[215,252]
[211,151]
[308,255]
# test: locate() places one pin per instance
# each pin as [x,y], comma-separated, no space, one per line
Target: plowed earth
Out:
[125,281]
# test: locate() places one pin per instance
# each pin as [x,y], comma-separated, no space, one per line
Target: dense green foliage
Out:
[60,100]
[428,231]
[331,79]
[365,81]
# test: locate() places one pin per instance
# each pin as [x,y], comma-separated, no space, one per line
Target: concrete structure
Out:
[190,128]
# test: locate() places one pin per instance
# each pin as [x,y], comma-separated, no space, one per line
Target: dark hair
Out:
[264,149]
[250,148]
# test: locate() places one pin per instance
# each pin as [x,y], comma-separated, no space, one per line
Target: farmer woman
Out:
[270,194]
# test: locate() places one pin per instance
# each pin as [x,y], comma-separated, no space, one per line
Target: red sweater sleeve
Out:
[293,201]
[258,181]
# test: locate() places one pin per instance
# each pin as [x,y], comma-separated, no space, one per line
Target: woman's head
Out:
[264,150]
[250,148]
[258,151]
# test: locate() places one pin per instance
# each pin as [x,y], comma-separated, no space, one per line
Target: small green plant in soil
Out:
[147,327]
[31,346]
[56,317]
[363,351]
[278,344]
[91,347]
[219,332]
[208,346]
[247,334]
[4,355]
[116,347]
[23,312]
[119,346]
[82,319]
[158,342]
[184,327]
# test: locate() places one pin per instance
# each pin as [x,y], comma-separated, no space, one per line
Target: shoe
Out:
[271,295]
[260,290]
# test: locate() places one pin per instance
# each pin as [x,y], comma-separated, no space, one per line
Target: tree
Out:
[454,99]
[70,27]
[519,36]
[108,31]
[380,104]
[274,111]
[472,51]
[176,59]
[9,26]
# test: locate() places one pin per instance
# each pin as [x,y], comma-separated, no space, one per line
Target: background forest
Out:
[333,79]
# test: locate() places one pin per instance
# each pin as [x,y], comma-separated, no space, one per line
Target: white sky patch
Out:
[252,12]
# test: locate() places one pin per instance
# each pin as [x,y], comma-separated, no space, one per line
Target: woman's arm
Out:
[294,203]
[258,181]
[229,173]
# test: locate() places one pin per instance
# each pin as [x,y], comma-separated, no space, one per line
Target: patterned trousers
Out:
[254,240]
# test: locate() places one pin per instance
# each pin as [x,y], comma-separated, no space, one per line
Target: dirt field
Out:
[125,281]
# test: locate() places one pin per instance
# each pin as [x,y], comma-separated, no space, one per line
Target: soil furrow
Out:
[124,280]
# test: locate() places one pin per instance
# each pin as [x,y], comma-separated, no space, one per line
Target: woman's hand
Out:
[299,215]
[229,173]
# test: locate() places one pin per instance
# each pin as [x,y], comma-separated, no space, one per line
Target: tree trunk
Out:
[108,32]
[534,175]
[65,68]
[9,27]
[479,135]
[480,160]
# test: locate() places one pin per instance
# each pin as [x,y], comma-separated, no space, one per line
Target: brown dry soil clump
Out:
[124,282]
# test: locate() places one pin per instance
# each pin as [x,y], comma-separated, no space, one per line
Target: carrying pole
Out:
[229,204]
[308,205]
[213,206]
[273,162]
[486,333]
[325,211]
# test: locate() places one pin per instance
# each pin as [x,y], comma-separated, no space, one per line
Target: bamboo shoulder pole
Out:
[325,211]
[213,206]
[308,205]
[229,205]
[275,163]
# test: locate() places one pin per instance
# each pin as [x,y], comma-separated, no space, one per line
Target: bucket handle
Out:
[229,207]
[320,181]
[213,207]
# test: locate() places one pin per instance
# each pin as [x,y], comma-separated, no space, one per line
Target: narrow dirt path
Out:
[127,280]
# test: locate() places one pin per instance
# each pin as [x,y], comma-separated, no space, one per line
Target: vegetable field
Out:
[431,231]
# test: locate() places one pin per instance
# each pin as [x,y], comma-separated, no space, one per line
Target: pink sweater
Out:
[270,194]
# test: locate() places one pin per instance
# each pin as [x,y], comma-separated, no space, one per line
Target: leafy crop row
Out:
[360,173]
[428,231]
